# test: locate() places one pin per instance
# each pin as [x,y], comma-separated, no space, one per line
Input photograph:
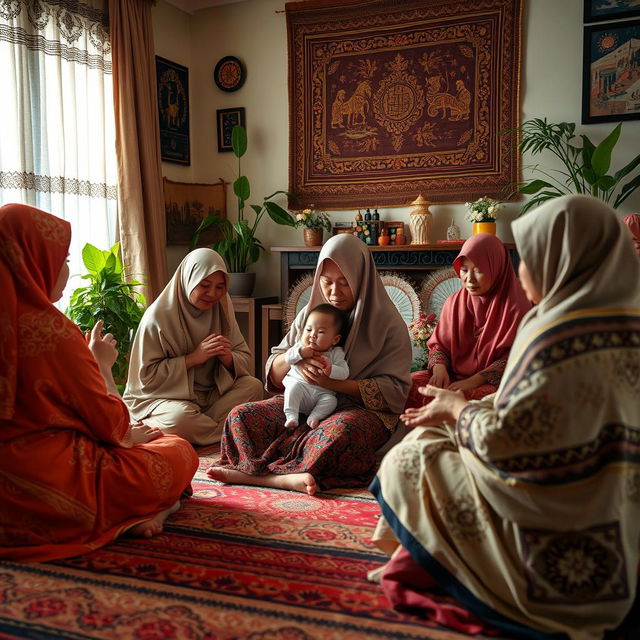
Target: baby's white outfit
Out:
[300,396]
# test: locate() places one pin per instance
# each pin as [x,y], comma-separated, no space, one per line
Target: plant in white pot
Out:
[239,246]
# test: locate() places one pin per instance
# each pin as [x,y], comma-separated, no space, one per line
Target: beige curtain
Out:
[140,200]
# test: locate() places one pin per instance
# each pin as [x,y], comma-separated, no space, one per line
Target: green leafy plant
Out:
[313,219]
[239,246]
[586,166]
[109,298]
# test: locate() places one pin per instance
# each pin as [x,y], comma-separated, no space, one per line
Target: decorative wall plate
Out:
[298,297]
[229,74]
[400,290]
[402,294]
[437,287]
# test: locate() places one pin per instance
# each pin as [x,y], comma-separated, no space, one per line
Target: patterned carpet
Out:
[239,563]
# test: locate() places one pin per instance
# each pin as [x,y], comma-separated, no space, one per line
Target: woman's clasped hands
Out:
[214,345]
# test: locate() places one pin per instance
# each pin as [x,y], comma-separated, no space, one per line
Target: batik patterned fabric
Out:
[339,453]
[70,478]
[528,511]
[389,99]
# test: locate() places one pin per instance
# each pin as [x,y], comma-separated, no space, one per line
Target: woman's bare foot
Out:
[154,526]
[302,482]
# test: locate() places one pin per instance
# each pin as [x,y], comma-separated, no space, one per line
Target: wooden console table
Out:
[294,261]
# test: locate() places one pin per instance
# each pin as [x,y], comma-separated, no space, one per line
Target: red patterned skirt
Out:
[339,452]
[420,378]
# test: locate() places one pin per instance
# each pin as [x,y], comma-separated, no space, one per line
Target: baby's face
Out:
[320,332]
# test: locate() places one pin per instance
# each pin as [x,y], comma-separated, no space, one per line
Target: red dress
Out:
[70,478]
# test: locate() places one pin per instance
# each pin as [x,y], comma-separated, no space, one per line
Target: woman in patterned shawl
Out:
[633,224]
[469,348]
[74,474]
[340,451]
[525,507]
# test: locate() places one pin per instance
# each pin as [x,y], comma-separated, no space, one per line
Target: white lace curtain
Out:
[57,138]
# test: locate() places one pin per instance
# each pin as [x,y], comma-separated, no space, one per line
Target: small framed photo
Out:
[226,119]
[342,227]
[611,72]
[395,229]
[599,11]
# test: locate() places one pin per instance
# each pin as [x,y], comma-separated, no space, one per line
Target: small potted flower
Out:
[314,222]
[483,213]
[420,332]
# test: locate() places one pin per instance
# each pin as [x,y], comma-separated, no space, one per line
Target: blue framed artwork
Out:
[601,10]
[611,72]
[226,119]
[173,111]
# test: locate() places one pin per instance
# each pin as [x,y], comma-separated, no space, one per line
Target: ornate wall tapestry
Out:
[391,99]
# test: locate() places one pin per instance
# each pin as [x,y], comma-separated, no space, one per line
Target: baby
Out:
[319,339]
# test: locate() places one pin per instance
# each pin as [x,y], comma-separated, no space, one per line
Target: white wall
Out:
[255,32]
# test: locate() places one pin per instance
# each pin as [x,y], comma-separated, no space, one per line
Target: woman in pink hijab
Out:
[469,348]
[633,222]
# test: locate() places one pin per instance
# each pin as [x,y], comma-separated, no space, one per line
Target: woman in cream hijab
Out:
[188,364]
[525,506]
[341,451]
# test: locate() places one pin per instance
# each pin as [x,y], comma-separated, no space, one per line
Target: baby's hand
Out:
[307,352]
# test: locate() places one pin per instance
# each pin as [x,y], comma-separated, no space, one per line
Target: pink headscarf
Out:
[475,331]
[633,222]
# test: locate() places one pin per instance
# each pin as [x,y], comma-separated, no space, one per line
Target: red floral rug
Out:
[233,563]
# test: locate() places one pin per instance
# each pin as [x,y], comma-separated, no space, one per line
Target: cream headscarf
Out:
[377,345]
[170,329]
[578,253]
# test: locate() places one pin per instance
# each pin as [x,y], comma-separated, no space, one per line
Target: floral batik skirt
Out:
[339,452]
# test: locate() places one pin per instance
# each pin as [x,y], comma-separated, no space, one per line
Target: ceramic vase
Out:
[420,220]
[241,284]
[313,237]
[484,227]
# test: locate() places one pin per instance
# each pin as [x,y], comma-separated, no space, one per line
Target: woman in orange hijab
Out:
[74,474]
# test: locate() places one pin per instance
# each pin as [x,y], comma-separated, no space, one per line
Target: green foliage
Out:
[239,246]
[110,299]
[586,166]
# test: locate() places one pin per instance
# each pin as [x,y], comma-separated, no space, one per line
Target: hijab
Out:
[633,223]
[377,345]
[475,331]
[171,328]
[579,256]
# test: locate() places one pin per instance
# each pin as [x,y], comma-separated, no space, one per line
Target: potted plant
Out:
[314,223]
[239,246]
[586,166]
[108,297]
[483,213]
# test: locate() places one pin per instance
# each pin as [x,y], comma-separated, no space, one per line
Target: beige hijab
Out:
[170,329]
[579,256]
[377,345]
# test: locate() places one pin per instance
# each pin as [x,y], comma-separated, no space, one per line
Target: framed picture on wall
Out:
[599,10]
[226,119]
[172,81]
[611,72]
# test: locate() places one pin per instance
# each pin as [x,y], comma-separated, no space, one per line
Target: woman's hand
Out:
[103,347]
[445,407]
[142,433]
[213,346]
[313,369]
[467,384]
[440,376]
